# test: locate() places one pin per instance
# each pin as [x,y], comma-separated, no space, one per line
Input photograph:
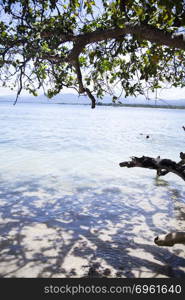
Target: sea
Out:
[67,209]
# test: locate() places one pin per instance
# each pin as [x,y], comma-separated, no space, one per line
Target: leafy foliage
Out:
[96,47]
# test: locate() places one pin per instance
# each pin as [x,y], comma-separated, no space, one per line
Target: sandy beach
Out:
[84,245]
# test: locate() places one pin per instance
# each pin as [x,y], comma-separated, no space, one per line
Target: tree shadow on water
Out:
[90,232]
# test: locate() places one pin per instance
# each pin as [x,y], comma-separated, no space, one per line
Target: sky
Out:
[172,93]
[164,94]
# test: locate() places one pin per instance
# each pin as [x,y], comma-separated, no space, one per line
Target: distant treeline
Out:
[129,105]
[140,105]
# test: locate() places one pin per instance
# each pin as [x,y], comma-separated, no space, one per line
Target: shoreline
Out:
[103,104]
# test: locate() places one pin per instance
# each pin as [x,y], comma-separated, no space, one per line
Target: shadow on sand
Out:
[89,232]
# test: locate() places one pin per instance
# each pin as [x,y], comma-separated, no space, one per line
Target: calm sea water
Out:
[68,209]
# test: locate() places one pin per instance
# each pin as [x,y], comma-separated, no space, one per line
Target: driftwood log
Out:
[163,167]
[170,239]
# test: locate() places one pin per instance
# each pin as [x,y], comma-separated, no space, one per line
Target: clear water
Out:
[67,208]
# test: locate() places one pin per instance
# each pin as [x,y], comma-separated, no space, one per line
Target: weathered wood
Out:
[162,166]
[170,239]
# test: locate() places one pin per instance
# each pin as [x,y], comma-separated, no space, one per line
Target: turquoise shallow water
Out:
[60,176]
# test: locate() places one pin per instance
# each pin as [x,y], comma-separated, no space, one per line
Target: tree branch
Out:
[145,32]
[162,166]
[90,95]
[83,89]
[79,76]
[170,239]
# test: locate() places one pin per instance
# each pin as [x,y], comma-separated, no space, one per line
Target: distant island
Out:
[74,99]
[127,105]
[141,105]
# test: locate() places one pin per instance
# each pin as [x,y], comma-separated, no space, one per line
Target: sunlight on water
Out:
[62,188]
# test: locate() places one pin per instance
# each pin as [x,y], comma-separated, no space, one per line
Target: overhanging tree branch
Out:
[83,89]
[143,32]
[56,35]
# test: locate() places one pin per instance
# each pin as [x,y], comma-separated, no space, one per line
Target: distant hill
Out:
[75,99]
[60,98]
